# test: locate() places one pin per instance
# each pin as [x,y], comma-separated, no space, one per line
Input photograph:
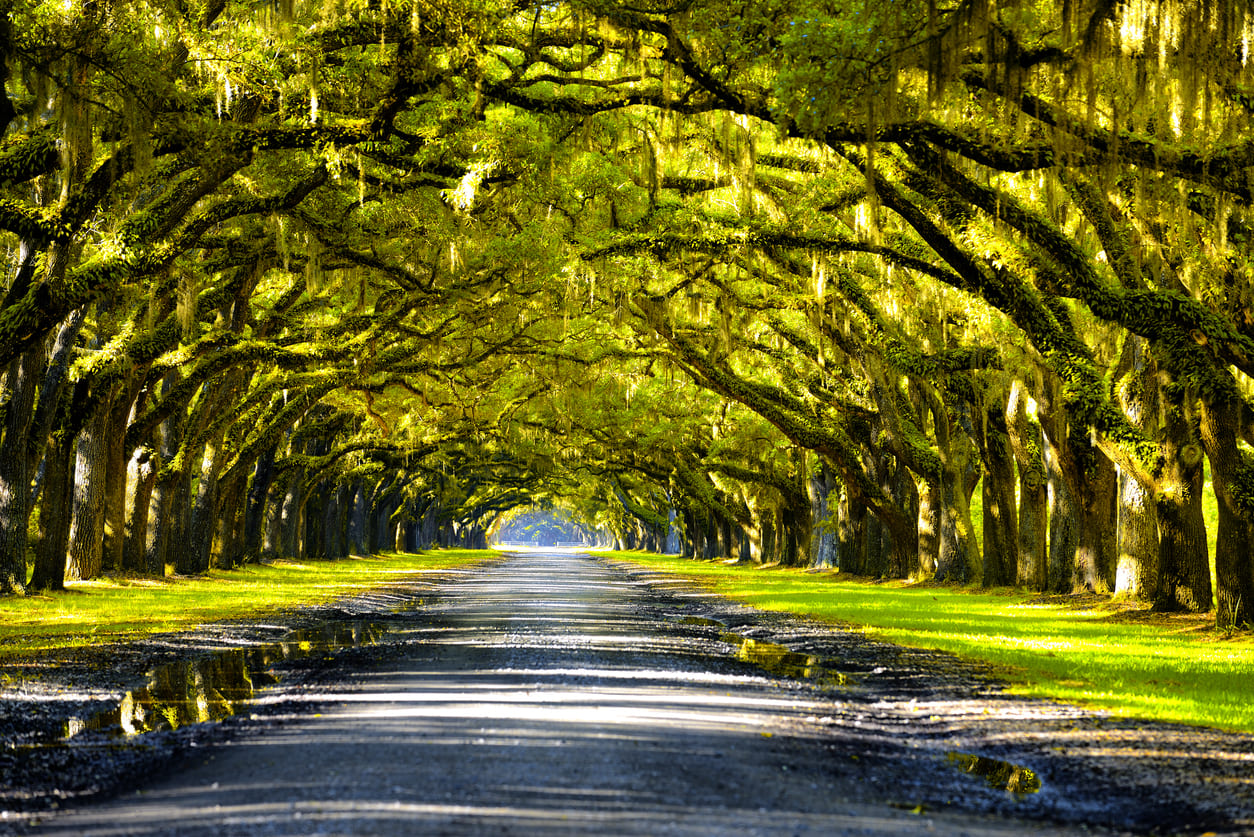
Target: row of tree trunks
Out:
[770,536]
[102,507]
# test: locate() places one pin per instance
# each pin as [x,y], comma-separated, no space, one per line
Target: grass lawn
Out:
[1129,662]
[111,610]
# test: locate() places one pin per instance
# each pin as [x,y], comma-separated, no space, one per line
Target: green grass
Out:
[1172,669]
[111,610]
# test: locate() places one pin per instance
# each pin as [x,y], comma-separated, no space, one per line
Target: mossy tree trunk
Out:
[86,552]
[358,542]
[1136,575]
[929,527]
[823,496]
[58,418]
[144,469]
[1231,475]
[851,532]
[291,519]
[1140,396]
[229,546]
[1097,545]
[1184,581]
[258,503]
[688,542]
[116,458]
[1026,440]
[997,490]
[20,385]
[55,509]
[958,556]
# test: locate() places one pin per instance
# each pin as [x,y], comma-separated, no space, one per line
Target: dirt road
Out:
[557,694]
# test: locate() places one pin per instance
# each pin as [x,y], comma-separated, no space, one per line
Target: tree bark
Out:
[957,559]
[1234,550]
[54,512]
[290,520]
[144,469]
[823,531]
[357,540]
[86,552]
[852,535]
[1140,396]
[20,384]
[1184,581]
[1136,575]
[1033,519]
[1001,529]
[258,504]
[929,528]
[1064,522]
[1183,568]
[116,457]
[228,547]
[1097,545]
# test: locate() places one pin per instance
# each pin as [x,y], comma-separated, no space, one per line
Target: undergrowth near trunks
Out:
[1084,650]
[118,609]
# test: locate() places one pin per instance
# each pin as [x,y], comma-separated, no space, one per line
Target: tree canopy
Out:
[782,281]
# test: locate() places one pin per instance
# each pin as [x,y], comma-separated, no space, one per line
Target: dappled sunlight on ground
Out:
[546,701]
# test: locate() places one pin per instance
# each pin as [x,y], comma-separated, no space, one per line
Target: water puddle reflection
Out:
[779,660]
[700,620]
[215,687]
[1001,775]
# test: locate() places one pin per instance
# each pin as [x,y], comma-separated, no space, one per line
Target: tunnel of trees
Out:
[785,280]
[534,526]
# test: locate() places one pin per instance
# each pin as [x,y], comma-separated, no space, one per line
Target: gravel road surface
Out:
[561,694]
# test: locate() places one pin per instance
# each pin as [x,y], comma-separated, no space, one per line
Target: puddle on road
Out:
[779,660]
[215,687]
[1001,775]
[700,620]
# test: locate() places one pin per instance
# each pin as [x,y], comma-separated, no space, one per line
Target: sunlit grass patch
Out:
[109,610]
[1170,669]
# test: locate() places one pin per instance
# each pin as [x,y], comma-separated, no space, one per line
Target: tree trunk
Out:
[957,559]
[228,549]
[193,559]
[725,537]
[1183,563]
[1140,394]
[86,552]
[57,420]
[338,513]
[399,532]
[1234,547]
[1001,529]
[823,530]
[929,528]
[20,384]
[1064,511]
[903,558]
[357,540]
[1183,568]
[1026,441]
[259,503]
[116,457]
[144,469]
[1136,575]
[54,513]
[851,531]
[1097,545]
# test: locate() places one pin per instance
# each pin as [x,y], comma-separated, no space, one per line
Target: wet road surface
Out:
[542,695]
